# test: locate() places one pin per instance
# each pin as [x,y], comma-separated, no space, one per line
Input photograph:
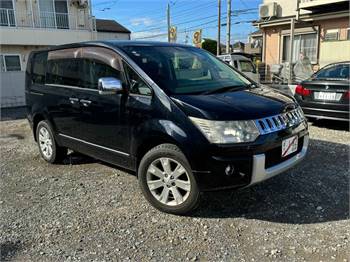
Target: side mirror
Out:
[109,85]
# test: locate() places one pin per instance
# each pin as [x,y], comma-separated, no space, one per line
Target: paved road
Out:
[86,210]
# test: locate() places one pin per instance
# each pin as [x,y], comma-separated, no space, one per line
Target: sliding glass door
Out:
[53,14]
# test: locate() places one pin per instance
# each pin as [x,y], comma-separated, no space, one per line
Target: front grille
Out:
[282,121]
[274,156]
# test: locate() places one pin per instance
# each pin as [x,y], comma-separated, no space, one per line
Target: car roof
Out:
[115,44]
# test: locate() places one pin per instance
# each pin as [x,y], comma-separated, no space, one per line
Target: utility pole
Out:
[168,20]
[228,28]
[291,46]
[219,28]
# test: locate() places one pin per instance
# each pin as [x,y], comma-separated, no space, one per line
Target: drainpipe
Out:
[291,45]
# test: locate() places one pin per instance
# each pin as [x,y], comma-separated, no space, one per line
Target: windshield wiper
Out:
[228,88]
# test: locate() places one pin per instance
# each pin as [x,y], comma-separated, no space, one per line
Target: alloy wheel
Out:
[168,181]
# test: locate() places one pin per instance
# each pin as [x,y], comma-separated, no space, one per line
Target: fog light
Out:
[229,170]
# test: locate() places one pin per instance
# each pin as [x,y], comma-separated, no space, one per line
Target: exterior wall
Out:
[42,36]
[286,7]
[334,51]
[12,89]
[117,36]
[328,51]
[22,50]
[272,46]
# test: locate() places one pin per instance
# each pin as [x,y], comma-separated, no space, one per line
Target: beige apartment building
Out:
[322,31]
[27,25]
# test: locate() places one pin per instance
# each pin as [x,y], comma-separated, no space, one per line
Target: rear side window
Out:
[39,68]
[334,72]
[63,72]
[246,66]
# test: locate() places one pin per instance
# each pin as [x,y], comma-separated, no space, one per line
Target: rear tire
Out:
[48,148]
[166,180]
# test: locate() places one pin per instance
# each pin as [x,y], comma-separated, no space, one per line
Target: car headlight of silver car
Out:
[225,132]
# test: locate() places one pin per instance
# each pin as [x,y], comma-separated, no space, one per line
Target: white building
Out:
[27,25]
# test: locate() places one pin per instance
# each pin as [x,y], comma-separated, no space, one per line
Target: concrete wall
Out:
[42,36]
[115,36]
[12,89]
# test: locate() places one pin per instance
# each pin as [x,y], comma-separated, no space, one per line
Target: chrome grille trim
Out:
[279,122]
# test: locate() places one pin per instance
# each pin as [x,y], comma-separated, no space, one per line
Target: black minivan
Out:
[185,121]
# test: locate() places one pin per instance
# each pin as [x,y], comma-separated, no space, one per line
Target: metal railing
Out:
[52,20]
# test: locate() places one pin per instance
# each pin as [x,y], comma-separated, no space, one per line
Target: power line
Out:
[233,13]
[192,27]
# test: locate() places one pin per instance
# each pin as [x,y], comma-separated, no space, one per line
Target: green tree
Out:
[209,45]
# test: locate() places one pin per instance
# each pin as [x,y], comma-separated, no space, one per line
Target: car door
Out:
[62,81]
[102,122]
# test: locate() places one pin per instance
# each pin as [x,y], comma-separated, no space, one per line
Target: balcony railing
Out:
[11,18]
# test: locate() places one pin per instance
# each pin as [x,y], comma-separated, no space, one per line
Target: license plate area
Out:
[289,146]
[327,96]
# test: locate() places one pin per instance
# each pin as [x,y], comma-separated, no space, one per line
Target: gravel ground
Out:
[89,211]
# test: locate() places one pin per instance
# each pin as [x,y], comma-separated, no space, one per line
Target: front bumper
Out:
[251,164]
[260,173]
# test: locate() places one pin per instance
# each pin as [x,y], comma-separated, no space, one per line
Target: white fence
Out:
[12,18]
[12,89]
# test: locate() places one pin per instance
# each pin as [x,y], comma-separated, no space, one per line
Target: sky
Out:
[146,19]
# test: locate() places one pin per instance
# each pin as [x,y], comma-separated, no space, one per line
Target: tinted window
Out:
[184,70]
[247,66]
[137,85]
[39,68]
[334,72]
[63,72]
[93,70]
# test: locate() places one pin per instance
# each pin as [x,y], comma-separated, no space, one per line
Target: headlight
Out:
[225,132]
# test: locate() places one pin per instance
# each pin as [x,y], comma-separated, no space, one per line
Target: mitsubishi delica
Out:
[183,120]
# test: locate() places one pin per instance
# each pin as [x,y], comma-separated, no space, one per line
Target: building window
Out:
[7,13]
[348,34]
[331,35]
[10,63]
[54,14]
[305,44]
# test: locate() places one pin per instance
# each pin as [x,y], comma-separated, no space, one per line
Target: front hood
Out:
[236,105]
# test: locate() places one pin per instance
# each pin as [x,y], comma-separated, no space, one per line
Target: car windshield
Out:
[340,71]
[184,70]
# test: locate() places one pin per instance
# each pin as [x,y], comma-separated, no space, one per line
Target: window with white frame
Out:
[331,35]
[9,62]
[305,44]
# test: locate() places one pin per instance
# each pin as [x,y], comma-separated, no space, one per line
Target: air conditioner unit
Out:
[268,10]
[80,3]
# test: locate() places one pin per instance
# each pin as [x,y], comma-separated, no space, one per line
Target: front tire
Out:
[166,180]
[48,148]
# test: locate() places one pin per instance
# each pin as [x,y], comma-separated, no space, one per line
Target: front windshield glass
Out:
[184,70]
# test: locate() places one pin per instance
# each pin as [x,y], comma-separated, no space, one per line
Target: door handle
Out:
[73,100]
[85,102]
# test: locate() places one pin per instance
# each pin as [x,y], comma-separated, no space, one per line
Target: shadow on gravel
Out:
[8,250]
[315,191]
[16,136]
[330,124]
[75,158]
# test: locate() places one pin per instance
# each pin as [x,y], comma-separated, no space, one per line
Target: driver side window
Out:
[137,85]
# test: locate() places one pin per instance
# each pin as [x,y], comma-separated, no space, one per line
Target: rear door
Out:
[62,82]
